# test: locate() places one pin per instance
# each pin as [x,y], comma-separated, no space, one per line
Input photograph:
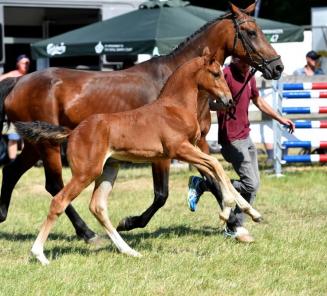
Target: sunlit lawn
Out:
[184,253]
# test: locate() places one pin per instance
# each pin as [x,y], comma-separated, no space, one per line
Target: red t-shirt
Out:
[231,129]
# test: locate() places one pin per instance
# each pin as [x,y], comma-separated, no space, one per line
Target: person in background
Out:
[312,67]
[22,67]
[237,146]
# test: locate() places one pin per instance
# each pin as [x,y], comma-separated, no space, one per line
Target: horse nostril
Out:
[279,68]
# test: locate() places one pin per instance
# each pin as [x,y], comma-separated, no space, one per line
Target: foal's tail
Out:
[6,87]
[40,131]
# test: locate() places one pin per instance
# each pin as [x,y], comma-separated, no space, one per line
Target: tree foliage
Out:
[297,12]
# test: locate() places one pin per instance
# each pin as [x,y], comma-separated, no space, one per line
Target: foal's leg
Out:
[210,165]
[54,183]
[160,173]
[98,206]
[12,172]
[213,186]
[57,207]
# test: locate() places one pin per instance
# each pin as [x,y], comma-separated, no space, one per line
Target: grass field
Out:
[184,253]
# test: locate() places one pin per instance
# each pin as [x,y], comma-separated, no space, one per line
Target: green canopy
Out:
[281,32]
[141,31]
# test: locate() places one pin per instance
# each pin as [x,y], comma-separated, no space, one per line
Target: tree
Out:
[297,12]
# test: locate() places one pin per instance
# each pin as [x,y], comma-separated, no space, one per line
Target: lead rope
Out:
[231,111]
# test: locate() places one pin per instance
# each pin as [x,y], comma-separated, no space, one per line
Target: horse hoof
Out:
[87,235]
[122,225]
[3,216]
[44,261]
[41,258]
[132,253]
[254,214]
[126,224]
[95,241]
[257,219]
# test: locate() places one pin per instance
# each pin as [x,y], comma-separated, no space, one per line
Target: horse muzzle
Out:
[226,101]
[272,70]
[222,102]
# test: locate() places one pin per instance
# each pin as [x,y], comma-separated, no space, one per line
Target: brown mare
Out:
[164,129]
[66,97]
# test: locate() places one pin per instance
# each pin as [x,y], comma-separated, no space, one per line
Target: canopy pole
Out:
[42,63]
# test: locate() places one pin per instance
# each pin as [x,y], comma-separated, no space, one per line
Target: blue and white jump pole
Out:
[289,91]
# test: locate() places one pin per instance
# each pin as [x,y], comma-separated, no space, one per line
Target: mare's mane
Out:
[199,31]
[184,43]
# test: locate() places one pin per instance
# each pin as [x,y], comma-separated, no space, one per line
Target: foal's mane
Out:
[193,65]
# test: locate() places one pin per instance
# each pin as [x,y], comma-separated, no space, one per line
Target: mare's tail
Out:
[40,131]
[6,87]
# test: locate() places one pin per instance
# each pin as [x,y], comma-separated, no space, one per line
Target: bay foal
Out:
[165,129]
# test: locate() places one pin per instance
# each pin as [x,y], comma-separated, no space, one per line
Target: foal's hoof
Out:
[132,252]
[254,214]
[257,219]
[40,257]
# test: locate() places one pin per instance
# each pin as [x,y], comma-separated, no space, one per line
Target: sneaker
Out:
[194,192]
[241,235]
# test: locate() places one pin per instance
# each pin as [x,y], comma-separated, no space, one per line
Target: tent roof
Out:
[142,30]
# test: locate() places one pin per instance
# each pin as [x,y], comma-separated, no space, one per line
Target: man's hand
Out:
[289,123]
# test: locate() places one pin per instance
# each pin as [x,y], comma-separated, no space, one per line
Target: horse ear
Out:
[234,9]
[206,54]
[250,9]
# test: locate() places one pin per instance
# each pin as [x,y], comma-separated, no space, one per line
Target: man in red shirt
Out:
[237,146]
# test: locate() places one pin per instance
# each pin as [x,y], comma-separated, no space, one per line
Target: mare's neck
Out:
[213,36]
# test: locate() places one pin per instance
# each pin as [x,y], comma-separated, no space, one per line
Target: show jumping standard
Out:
[66,97]
[316,147]
[165,129]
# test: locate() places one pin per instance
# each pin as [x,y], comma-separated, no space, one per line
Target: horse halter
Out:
[250,50]
[248,46]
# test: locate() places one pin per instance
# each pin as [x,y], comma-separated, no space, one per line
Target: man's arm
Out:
[267,109]
[8,75]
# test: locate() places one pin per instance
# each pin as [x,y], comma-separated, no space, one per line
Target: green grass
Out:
[184,253]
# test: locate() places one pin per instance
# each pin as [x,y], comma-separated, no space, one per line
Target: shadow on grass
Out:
[58,252]
[135,240]
[163,232]
[169,232]
[31,237]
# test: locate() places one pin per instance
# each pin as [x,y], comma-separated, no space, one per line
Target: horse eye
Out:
[252,34]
